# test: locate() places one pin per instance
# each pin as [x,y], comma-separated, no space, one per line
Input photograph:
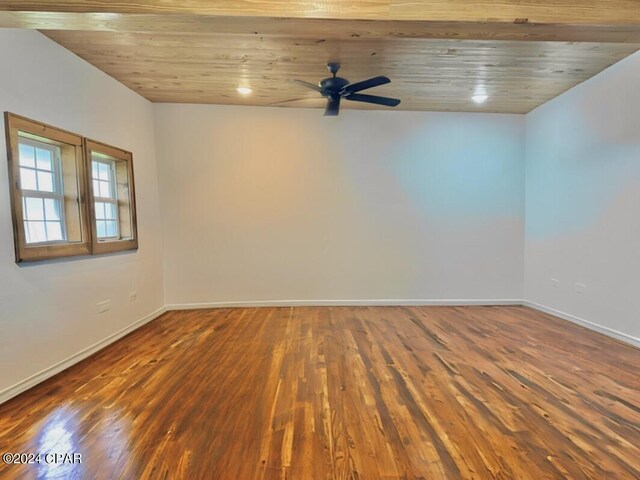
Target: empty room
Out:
[369,239]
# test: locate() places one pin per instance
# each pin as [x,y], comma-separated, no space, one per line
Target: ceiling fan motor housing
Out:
[333,85]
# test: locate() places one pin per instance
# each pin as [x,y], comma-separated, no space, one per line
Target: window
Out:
[111,193]
[69,195]
[42,191]
[47,185]
[106,198]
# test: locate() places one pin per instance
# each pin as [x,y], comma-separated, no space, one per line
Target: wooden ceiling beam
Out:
[572,12]
[318,28]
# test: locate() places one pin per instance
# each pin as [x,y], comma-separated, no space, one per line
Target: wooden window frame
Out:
[25,252]
[107,245]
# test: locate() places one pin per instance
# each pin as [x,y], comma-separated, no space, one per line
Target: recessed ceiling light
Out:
[244,90]
[479,97]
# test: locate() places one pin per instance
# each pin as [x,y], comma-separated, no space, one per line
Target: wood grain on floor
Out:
[340,393]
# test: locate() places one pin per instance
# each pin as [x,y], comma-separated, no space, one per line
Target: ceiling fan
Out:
[336,88]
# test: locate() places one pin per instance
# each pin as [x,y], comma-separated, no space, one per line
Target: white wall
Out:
[583,200]
[48,310]
[285,204]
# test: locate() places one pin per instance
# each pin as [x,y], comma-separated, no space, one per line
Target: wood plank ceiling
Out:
[426,74]
[521,53]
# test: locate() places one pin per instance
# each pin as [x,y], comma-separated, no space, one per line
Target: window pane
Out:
[52,209]
[28,179]
[34,208]
[101,228]
[36,232]
[110,211]
[54,231]
[26,155]
[45,181]
[27,233]
[44,159]
[104,172]
[99,210]
[94,169]
[105,189]
[112,229]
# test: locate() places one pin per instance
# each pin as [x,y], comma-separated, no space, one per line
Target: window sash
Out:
[112,200]
[56,162]
[45,220]
[57,194]
[112,177]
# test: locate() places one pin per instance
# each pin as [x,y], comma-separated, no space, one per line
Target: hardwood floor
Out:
[323,393]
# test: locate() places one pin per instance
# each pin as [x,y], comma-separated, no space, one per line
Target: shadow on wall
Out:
[448,168]
[578,163]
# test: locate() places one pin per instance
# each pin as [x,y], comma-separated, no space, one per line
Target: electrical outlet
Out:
[580,287]
[133,296]
[555,283]
[104,306]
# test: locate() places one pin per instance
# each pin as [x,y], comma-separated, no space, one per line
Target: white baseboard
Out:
[27,383]
[340,303]
[610,332]
[623,337]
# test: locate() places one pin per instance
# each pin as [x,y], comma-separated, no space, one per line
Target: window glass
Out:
[44,160]
[41,184]
[27,156]
[106,201]
[28,179]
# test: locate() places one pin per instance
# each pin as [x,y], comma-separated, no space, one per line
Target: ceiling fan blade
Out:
[292,100]
[358,97]
[308,85]
[372,82]
[333,107]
